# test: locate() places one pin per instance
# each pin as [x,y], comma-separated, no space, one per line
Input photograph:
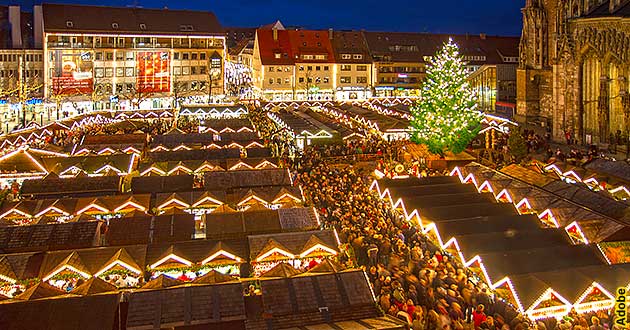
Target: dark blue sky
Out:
[501,17]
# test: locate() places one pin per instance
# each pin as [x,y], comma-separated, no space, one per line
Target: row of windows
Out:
[129,87]
[138,41]
[130,56]
[348,67]
[348,80]
[287,81]
[131,71]
[310,68]
[352,56]
[315,57]
[14,73]
[301,68]
[474,58]
[15,57]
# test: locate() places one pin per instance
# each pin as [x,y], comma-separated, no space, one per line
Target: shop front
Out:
[353,93]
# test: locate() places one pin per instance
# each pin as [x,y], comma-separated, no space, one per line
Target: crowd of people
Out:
[414,280]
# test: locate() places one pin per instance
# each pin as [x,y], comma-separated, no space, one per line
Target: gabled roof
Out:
[6,270]
[268,47]
[282,269]
[272,246]
[129,19]
[123,259]
[161,282]
[311,42]
[40,290]
[213,277]
[94,286]
[326,266]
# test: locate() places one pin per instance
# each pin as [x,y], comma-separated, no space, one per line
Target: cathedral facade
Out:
[574,70]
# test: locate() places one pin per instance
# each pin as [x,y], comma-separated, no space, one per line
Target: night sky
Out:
[494,17]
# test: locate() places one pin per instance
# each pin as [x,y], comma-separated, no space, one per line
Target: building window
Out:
[114,25]
[346,56]
[120,56]
[193,56]
[185,56]
[287,69]
[109,72]
[345,80]
[301,68]
[318,68]
[202,70]
[98,56]
[326,80]
[307,57]
[202,56]
[361,80]
[177,70]
[143,26]
[185,70]
[277,55]
[176,56]
[271,69]
[270,81]
[357,56]
[109,56]
[309,68]
[99,72]
[120,72]
[69,24]
[346,67]
[278,81]
[320,57]
[279,69]
[129,72]
[193,70]
[301,80]
[287,81]
[129,56]
[361,67]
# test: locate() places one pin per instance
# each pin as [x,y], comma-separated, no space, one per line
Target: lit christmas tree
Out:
[445,117]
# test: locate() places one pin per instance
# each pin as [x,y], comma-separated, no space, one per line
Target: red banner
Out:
[153,72]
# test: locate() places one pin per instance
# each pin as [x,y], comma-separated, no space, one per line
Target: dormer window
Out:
[277,55]
[69,24]
[143,26]
[184,27]
[114,25]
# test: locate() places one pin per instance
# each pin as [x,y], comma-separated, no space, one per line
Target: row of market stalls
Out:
[303,129]
[464,218]
[325,296]
[131,266]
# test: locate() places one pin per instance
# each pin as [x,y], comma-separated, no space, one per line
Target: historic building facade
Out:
[574,68]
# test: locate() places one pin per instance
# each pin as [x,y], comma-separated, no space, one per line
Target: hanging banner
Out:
[73,72]
[153,72]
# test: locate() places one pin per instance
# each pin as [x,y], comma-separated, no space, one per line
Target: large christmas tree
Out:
[445,117]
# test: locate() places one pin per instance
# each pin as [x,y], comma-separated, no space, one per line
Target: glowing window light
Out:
[227,130]
[504,196]
[82,152]
[240,165]
[121,264]
[591,181]
[52,209]
[170,257]
[535,313]
[131,204]
[68,268]
[289,255]
[574,229]
[523,207]
[548,218]
[485,187]
[173,200]
[318,247]
[477,259]
[131,150]
[205,167]
[221,253]
[70,170]
[234,145]
[153,170]
[620,188]
[586,307]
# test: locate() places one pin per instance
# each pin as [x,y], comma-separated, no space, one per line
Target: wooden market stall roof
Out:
[241,224]
[96,312]
[247,179]
[46,237]
[199,166]
[295,243]
[151,184]
[148,229]
[91,165]
[198,252]
[206,154]
[53,187]
[269,195]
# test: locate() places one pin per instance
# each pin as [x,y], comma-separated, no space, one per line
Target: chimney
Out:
[482,36]
[16,26]
[275,34]
[38,26]
[330,33]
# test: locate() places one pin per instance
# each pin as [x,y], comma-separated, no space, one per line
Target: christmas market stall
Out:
[213,111]
[303,129]
[18,272]
[189,260]
[299,249]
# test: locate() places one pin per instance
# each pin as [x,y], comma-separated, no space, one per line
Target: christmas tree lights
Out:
[445,117]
